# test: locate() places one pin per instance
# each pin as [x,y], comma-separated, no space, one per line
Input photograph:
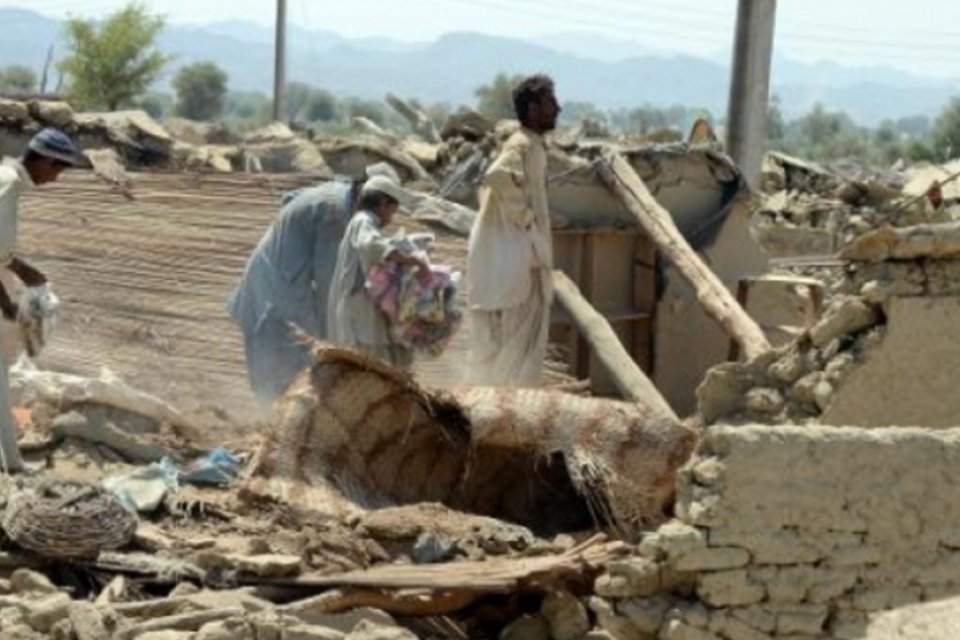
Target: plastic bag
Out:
[38,310]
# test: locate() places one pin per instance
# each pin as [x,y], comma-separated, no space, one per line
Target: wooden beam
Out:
[624,182]
[629,379]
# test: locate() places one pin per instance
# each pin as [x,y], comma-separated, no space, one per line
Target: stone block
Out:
[712,559]
[730,589]
[565,616]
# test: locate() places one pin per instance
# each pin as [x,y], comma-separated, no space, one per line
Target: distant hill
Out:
[609,73]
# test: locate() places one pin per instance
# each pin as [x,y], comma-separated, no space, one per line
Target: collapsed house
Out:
[809,490]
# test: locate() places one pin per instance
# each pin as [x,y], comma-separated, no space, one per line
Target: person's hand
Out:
[935,194]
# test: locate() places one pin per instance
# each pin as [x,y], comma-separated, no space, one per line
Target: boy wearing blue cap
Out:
[49,152]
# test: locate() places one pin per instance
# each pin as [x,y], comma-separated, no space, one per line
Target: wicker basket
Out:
[68,520]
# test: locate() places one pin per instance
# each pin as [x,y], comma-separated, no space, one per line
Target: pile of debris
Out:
[795,383]
[808,209]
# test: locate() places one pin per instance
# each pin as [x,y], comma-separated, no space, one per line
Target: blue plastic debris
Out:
[219,467]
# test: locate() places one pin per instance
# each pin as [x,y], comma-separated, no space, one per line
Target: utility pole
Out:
[750,85]
[280,60]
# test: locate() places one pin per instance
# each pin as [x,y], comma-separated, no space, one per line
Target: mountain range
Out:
[586,67]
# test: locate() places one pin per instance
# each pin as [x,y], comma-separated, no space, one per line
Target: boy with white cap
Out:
[355,321]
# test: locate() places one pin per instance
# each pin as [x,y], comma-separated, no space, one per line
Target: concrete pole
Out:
[750,85]
[280,61]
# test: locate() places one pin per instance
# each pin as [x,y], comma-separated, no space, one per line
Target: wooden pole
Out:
[629,379]
[620,177]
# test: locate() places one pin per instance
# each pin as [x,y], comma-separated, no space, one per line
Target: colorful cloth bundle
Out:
[423,316]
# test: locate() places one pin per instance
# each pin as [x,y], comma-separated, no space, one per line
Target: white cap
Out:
[383,169]
[388,187]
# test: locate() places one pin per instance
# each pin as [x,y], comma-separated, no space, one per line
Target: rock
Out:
[565,615]
[805,388]
[53,113]
[44,613]
[646,614]
[789,367]
[723,390]
[27,581]
[311,632]
[468,124]
[22,632]
[210,599]
[677,630]
[346,621]
[225,630]
[116,591]
[273,132]
[14,111]
[526,628]
[822,394]
[640,576]
[729,589]
[712,559]
[168,635]
[150,537]
[838,368]
[852,315]
[87,622]
[369,631]
[184,589]
[262,566]
[764,400]
[617,625]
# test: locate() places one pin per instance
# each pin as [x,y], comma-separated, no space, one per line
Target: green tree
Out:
[776,127]
[18,79]
[496,99]
[249,105]
[201,91]
[157,104]
[306,104]
[946,131]
[112,63]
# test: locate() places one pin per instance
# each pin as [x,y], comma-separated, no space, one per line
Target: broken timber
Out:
[624,182]
[630,380]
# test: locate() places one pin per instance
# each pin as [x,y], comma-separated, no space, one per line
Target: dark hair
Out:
[370,200]
[30,157]
[530,91]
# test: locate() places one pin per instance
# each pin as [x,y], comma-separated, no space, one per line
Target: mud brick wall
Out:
[794,533]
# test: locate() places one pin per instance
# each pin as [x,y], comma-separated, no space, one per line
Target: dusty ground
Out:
[144,282]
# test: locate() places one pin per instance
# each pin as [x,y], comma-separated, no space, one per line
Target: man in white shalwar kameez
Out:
[48,153]
[511,252]
[353,317]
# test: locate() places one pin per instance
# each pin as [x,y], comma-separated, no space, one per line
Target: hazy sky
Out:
[922,36]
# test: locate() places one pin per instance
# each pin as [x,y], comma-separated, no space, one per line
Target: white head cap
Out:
[388,187]
[383,169]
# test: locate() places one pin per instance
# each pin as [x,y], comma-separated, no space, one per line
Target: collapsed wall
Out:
[794,532]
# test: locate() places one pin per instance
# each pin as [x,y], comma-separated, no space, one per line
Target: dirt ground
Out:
[144,282]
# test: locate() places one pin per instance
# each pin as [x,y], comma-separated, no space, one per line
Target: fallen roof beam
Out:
[632,383]
[624,182]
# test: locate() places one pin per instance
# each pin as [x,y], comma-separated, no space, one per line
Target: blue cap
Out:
[55,144]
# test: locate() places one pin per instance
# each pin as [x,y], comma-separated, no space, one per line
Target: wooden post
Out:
[630,380]
[620,177]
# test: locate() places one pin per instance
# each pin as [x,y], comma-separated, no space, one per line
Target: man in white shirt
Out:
[49,152]
[511,251]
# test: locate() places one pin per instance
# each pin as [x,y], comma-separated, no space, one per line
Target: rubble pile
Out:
[808,209]
[795,383]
